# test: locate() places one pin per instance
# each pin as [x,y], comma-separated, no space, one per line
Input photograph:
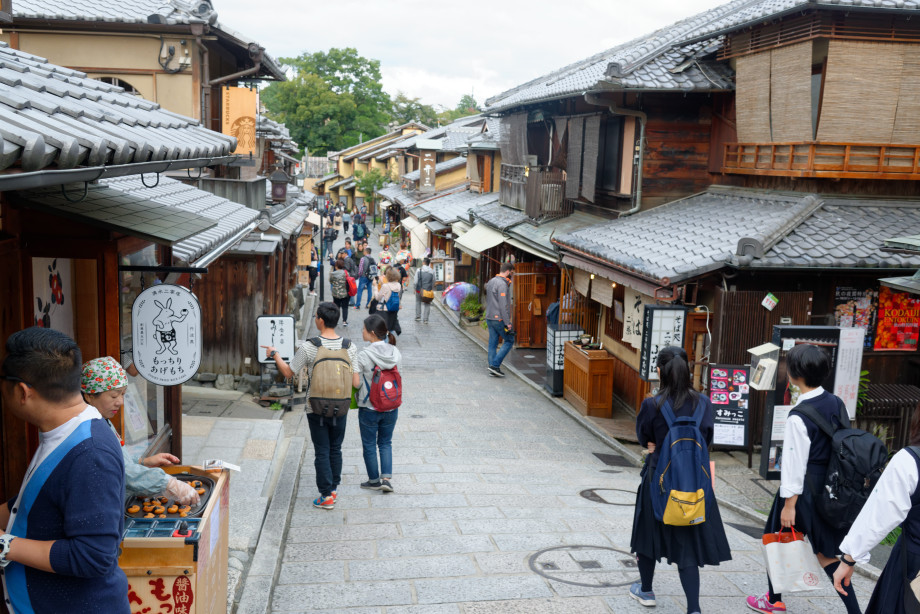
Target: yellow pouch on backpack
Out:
[428,294]
[685,509]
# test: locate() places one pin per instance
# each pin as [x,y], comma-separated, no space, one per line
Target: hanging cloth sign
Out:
[166,322]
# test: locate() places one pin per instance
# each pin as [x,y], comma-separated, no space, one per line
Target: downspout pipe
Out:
[640,155]
[255,52]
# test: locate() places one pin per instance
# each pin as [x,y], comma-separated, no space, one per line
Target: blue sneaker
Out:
[645,598]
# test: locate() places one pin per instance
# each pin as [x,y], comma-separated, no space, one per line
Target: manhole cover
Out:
[588,566]
[610,496]
[613,460]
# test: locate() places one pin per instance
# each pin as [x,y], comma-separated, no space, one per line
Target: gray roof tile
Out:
[454,207]
[441,167]
[498,216]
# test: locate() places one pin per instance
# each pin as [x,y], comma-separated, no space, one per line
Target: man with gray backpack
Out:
[332,368]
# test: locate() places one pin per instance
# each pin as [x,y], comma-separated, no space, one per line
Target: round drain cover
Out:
[589,566]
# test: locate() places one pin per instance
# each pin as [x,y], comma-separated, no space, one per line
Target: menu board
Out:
[729,392]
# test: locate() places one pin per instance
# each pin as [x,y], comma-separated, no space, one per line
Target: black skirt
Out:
[824,539]
[888,596]
[696,546]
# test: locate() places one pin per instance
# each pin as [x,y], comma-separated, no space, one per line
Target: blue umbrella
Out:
[455,293]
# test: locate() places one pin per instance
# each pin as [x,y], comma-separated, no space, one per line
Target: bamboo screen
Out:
[602,291]
[790,93]
[573,159]
[861,91]
[581,282]
[589,164]
[907,118]
[753,98]
[575,308]
[514,139]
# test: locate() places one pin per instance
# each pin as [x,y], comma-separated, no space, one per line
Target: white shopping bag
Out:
[791,563]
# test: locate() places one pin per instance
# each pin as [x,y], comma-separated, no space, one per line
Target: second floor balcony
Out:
[824,160]
[538,191]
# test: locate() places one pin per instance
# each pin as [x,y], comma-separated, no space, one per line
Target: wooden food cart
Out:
[588,380]
[188,574]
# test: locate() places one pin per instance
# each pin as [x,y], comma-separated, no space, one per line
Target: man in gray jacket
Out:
[424,281]
[498,318]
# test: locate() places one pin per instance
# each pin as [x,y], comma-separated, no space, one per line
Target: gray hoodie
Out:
[380,354]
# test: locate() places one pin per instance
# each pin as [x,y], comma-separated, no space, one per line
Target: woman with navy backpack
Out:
[688,547]
[806,454]
[378,401]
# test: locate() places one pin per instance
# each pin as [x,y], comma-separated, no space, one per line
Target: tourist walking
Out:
[338,282]
[62,533]
[806,452]
[498,317]
[379,396]
[388,299]
[346,218]
[895,501]
[688,547]
[367,273]
[329,351]
[424,291]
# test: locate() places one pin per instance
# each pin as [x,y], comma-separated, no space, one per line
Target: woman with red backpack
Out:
[378,401]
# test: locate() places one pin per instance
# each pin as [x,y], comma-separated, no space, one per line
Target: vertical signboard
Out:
[729,391]
[427,160]
[238,117]
[662,326]
[844,347]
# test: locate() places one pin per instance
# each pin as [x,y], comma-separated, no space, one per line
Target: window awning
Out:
[313,218]
[459,228]
[410,223]
[479,239]
[436,226]
[532,249]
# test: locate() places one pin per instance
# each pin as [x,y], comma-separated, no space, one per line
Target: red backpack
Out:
[352,285]
[386,389]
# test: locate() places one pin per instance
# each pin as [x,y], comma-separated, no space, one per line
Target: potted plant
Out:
[471,309]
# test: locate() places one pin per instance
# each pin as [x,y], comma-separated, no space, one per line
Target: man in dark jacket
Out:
[424,282]
[498,318]
[59,549]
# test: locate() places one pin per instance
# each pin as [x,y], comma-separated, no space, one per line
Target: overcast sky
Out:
[438,50]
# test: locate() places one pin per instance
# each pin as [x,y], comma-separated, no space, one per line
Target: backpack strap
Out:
[699,412]
[316,341]
[667,413]
[844,416]
[346,343]
[810,412]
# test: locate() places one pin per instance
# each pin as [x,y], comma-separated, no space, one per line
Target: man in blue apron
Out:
[61,533]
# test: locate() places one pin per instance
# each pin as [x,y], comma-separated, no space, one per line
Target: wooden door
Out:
[523,308]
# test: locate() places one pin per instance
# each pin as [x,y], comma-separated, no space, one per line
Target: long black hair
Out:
[675,377]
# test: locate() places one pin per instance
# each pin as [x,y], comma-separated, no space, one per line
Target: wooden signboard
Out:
[238,117]
[426,179]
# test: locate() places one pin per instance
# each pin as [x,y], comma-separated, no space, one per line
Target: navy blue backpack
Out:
[681,481]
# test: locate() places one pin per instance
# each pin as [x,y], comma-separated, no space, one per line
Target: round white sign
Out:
[166,321]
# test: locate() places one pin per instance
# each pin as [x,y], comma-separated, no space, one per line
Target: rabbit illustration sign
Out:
[166,320]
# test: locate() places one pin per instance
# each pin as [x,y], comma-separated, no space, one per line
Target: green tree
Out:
[334,100]
[407,109]
[467,106]
[368,182]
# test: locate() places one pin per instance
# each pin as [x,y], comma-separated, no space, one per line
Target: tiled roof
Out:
[360,148]
[695,235]
[663,60]
[343,184]
[51,115]
[289,224]
[498,216]
[326,178]
[457,206]
[441,167]
[847,233]
[232,218]
[541,235]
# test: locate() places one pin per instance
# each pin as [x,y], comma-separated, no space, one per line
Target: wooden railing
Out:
[826,160]
[538,191]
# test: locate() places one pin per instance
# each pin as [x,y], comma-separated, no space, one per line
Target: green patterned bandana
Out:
[102,374]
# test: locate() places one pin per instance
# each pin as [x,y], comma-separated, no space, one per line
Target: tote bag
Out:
[791,563]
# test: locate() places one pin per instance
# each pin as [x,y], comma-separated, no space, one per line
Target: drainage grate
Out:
[629,563]
[550,566]
[589,564]
[613,460]
[417,416]
[610,471]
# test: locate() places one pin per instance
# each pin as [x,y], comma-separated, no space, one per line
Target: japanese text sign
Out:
[166,323]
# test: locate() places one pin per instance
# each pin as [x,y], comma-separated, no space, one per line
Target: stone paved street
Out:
[487,515]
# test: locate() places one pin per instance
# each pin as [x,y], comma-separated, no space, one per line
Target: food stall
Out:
[176,557]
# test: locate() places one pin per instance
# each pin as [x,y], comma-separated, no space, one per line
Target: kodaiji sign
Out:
[166,322]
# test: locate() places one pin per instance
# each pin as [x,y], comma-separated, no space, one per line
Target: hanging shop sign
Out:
[856,308]
[730,391]
[633,309]
[844,347]
[662,326]
[166,322]
[898,320]
[239,117]
[427,160]
[277,332]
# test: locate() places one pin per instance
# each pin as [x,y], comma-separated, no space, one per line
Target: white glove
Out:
[182,492]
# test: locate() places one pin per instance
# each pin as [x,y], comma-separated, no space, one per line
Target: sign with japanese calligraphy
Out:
[662,326]
[729,391]
[633,309]
[166,321]
[898,320]
[428,160]
[278,332]
[161,595]
[849,365]
[856,308]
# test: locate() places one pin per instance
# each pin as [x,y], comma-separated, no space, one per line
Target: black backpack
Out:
[856,464]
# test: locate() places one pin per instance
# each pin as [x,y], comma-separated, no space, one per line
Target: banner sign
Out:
[898,320]
[240,105]
[166,322]
[729,391]
[662,326]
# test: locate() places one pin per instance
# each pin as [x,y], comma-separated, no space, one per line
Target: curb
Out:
[868,571]
[263,571]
